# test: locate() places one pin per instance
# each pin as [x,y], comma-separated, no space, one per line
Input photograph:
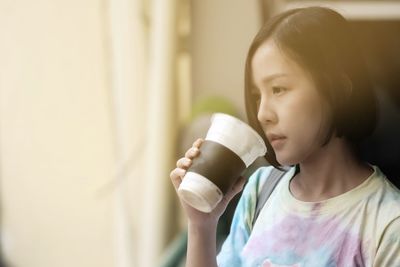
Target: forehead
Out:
[270,61]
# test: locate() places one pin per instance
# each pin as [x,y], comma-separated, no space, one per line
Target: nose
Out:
[266,112]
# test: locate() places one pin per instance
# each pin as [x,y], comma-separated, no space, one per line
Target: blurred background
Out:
[99,98]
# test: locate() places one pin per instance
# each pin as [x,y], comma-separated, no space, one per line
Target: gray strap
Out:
[266,190]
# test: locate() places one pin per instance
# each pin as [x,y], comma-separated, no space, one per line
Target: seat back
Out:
[383,147]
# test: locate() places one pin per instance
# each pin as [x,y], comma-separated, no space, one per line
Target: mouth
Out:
[276,140]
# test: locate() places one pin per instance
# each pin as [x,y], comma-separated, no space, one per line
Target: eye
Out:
[278,90]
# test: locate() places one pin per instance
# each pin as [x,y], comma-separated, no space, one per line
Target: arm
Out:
[202,230]
[201,250]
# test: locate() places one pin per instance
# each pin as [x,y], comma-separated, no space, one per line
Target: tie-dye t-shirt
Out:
[358,228]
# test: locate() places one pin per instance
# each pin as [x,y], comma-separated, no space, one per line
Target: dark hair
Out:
[320,40]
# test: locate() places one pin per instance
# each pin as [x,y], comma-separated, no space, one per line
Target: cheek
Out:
[306,127]
[304,116]
[302,142]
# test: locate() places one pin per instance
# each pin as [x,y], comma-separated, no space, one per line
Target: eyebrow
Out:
[269,78]
[273,76]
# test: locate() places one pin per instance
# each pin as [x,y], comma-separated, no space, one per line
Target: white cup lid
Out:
[237,136]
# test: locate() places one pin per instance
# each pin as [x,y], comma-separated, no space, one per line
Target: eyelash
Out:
[280,89]
[276,90]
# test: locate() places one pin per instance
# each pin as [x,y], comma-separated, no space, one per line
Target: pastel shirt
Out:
[358,228]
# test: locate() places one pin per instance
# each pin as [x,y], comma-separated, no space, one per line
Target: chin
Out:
[286,160]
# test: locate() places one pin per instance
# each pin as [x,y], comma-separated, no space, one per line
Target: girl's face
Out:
[290,109]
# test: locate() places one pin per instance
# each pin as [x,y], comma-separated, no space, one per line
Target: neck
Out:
[334,170]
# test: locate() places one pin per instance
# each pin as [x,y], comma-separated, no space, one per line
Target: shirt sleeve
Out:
[231,251]
[388,253]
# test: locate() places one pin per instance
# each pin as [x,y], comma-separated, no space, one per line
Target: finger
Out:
[192,153]
[176,176]
[184,163]
[236,188]
[198,142]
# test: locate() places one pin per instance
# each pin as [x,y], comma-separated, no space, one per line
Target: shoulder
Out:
[389,201]
[386,200]
[387,194]
[261,176]
[254,184]
[258,178]
[245,209]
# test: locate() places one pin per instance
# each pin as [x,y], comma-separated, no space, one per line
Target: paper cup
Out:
[229,148]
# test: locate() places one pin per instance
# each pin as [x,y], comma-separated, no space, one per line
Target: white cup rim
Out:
[254,132]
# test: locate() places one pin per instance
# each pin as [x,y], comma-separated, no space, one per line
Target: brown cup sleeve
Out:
[219,164]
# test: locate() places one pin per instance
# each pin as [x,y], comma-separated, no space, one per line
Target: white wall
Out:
[56,131]
[55,134]
[221,34]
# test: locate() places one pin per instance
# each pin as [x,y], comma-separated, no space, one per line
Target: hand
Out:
[195,216]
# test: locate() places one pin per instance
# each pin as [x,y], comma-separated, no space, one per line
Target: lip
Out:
[275,139]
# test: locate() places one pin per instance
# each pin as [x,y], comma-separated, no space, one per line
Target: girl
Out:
[307,92]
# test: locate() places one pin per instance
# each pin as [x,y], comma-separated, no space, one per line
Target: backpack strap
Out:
[266,191]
